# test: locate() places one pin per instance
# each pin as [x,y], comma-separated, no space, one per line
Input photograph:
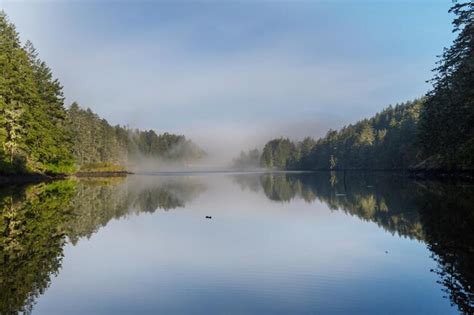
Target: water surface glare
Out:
[277,243]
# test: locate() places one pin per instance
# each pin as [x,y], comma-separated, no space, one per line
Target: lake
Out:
[275,243]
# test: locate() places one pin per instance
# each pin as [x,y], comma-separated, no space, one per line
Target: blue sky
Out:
[242,70]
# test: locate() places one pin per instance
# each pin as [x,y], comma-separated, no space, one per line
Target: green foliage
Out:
[33,136]
[447,120]
[96,142]
[385,141]
[278,154]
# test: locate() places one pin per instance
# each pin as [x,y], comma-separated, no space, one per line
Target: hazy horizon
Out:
[232,75]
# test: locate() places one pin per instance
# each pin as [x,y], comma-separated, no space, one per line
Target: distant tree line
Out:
[95,141]
[434,132]
[38,134]
[385,141]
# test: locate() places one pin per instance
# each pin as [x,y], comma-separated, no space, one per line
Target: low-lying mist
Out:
[225,144]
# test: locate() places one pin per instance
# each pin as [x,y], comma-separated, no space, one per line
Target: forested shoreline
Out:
[432,134]
[96,143]
[386,141]
[39,135]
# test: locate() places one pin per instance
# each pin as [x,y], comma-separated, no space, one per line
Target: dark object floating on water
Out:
[208,217]
[386,252]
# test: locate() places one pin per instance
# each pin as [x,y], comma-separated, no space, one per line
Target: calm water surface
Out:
[283,243]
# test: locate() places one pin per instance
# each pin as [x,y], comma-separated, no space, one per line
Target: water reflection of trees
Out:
[441,215]
[32,235]
[97,201]
[447,216]
[389,202]
[36,221]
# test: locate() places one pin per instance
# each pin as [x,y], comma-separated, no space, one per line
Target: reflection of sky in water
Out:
[254,256]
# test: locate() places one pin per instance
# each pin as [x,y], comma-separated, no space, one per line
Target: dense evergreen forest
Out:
[33,133]
[435,132]
[385,141]
[39,135]
[96,142]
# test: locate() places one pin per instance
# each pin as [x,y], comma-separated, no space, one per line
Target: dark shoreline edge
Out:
[414,174]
